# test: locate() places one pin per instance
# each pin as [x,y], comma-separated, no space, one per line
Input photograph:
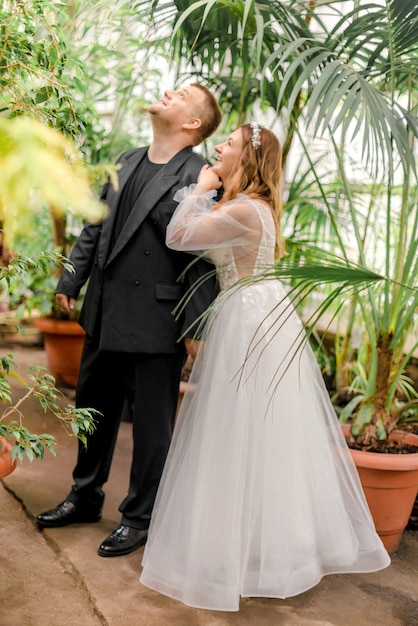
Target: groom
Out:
[131,349]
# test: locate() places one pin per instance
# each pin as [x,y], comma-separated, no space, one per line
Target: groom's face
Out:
[179,107]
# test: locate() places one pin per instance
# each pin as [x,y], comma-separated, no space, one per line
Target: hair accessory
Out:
[255,139]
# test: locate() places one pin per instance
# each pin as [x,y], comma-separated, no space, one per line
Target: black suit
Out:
[132,349]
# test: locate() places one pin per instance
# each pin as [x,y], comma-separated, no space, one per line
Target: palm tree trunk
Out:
[382,421]
[384,365]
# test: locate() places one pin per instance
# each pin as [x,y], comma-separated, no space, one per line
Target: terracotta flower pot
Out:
[390,484]
[63,341]
[6,464]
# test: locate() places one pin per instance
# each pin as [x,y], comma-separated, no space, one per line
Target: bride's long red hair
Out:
[258,174]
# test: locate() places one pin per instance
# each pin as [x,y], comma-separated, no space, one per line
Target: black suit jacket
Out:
[134,287]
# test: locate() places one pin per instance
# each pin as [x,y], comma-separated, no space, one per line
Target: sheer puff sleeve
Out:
[196,227]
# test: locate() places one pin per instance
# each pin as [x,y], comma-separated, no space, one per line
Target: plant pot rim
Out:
[57,326]
[400,462]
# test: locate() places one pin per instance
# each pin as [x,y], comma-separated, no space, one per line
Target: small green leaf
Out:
[363,417]
[349,409]
[381,430]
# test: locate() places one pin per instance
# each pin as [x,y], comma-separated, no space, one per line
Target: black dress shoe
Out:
[67,513]
[123,540]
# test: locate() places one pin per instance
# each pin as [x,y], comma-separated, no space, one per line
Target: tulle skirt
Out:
[259,495]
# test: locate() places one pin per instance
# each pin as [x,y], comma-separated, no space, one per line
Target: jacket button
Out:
[147,251]
[137,281]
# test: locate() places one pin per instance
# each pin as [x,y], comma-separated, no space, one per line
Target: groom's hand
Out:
[192,346]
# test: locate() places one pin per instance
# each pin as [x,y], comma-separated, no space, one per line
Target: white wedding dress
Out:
[259,495]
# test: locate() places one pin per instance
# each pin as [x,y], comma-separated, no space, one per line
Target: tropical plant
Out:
[81,69]
[345,73]
[29,148]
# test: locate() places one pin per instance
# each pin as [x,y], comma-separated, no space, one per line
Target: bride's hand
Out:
[208,180]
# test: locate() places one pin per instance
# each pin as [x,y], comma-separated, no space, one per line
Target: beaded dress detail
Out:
[224,258]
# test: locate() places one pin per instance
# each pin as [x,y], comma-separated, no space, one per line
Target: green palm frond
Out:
[338,98]
[343,78]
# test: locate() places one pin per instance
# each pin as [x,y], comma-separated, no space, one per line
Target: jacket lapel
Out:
[128,165]
[162,182]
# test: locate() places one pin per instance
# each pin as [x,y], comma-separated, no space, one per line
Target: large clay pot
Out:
[390,484]
[6,464]
[63,341]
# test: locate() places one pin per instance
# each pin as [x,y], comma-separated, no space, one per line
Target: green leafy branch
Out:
[76,422]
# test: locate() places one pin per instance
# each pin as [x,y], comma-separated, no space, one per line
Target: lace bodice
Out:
[230,269]
[239,238]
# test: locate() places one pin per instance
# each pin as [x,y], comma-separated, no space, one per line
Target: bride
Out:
[259,495]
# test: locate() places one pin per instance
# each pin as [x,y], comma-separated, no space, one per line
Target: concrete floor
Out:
[56,578]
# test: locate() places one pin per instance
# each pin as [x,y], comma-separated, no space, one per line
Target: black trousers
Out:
[150,383]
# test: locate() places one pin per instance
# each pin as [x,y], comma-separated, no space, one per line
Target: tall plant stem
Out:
[344,350]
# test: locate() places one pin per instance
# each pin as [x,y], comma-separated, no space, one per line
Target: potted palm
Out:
[335,71]
[382,399]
